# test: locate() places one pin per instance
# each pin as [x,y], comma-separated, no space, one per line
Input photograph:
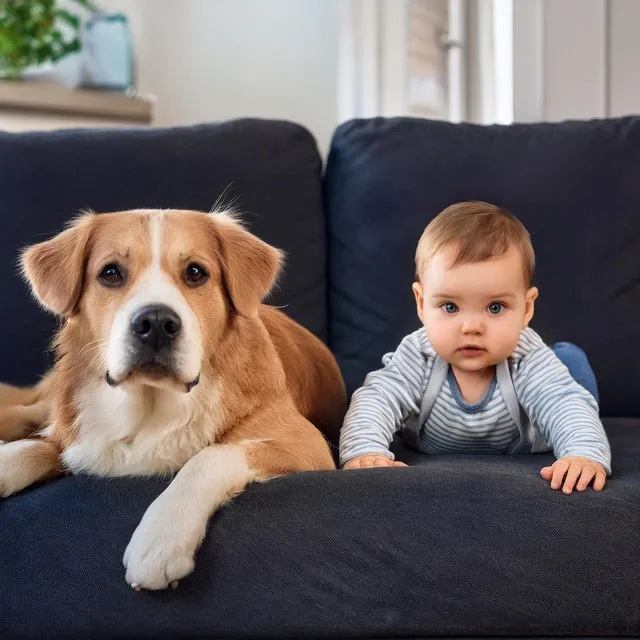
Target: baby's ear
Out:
[530,298]
[418,293]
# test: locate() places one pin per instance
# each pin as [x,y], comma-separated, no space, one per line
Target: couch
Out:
[455,546]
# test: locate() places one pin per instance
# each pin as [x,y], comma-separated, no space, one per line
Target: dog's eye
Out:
[111,276]
[195,275]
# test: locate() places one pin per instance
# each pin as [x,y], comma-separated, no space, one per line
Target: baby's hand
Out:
[577,470]
[372,460]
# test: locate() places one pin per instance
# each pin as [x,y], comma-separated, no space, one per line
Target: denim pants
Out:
[575,359]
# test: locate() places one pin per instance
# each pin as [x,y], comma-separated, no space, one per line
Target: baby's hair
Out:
[481,231]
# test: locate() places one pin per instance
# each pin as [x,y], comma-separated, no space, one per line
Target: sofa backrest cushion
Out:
[574,185]
[269,170]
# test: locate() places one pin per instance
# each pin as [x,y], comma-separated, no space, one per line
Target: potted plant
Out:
[37,32]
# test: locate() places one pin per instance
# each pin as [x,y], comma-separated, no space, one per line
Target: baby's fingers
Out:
[598,483]
[366,462]
[559,470]
[546,472]
[586,478]
[572,477]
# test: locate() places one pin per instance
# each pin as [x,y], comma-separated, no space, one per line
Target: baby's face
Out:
[473,313]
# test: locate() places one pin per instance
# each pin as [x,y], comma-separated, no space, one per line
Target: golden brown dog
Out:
[167,361]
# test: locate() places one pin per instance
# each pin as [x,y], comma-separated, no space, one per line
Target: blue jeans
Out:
[575,359]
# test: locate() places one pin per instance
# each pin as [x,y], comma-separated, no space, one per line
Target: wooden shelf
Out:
[42,97]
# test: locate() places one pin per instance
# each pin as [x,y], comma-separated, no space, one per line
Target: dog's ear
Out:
[55,268]
[249,266]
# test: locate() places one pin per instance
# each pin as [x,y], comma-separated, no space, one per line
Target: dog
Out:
[167,361]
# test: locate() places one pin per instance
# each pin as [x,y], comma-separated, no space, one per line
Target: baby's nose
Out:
[472,325]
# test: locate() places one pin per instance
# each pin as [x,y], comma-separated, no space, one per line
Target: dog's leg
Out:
[25,462]
[163,545]
[17,395]
[162,548]
[20,421]
[26,395]
[24,409]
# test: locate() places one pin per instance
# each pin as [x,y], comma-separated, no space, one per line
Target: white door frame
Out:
[373,59]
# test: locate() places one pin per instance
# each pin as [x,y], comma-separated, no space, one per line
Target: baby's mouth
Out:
[471,350]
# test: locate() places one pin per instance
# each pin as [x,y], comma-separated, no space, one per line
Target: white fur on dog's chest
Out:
[143,433]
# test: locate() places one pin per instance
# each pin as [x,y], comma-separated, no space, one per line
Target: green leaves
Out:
[89,6]
[71,19]
[34,32]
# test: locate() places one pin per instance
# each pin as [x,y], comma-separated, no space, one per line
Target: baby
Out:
[476,378]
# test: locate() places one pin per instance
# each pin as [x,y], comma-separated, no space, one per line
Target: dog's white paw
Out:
[8,481]
[163,546]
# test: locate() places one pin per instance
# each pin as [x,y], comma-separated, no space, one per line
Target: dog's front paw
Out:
[162,548]
[8,481]
[5,485]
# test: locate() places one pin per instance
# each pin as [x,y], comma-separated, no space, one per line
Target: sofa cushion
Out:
[270,170]
[575,187]
[455,546]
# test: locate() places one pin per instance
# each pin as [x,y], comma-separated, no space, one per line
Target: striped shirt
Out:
[563,414]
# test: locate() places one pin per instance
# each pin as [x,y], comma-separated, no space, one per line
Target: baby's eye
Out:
[449,307]
[495,308]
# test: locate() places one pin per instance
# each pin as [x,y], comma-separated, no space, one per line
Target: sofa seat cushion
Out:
[466,546]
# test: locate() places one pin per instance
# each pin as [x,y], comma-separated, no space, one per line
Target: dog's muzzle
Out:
[154,329]
[154,341]
[153,332]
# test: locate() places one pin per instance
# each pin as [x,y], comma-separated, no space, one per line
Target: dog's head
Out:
[152,290]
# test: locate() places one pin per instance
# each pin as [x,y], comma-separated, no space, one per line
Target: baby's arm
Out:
[380,406]
[567,416]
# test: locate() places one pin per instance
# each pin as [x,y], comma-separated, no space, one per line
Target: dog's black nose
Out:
[156,326]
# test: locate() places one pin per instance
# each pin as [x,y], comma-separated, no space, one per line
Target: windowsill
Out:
[41,98]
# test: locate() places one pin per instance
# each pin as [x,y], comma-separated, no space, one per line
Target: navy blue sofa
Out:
[451,546]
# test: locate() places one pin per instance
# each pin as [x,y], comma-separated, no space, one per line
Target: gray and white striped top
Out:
[563,413]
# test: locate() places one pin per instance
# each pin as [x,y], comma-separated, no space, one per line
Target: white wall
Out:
[624,57]
[208,60]
[526,60]
[575,59]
